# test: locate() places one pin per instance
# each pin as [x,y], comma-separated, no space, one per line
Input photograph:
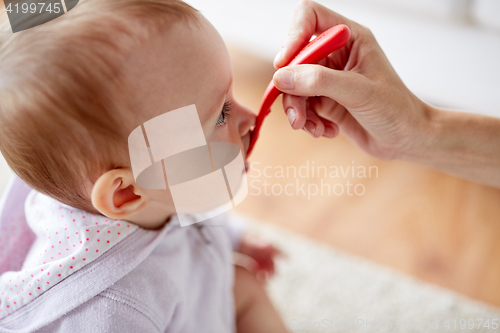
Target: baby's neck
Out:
[154,216]
[151,225]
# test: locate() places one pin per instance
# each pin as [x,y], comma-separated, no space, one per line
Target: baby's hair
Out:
[61,111]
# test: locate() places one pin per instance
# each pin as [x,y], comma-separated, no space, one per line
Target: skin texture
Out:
[192,64]
[357,91]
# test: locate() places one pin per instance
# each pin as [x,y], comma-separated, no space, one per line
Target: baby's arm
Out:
[254,311]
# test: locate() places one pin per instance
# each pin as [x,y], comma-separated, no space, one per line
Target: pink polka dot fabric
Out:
[66,240]
[16,236]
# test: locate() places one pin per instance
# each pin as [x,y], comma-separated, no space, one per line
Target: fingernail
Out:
[284,78]
[292,115]
[310,127]
[329,132]
[278,56]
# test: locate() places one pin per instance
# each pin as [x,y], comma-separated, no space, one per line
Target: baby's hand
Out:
[262,252]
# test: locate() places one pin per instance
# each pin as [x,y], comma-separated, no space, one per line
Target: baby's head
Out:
[73,89]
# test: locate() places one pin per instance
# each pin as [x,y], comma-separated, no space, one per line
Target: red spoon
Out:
[319,48]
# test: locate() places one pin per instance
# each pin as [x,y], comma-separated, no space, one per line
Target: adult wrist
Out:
[425,134]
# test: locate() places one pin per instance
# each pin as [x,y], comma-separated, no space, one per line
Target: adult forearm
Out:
[464,144]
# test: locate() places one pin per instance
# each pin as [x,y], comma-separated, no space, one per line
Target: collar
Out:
[66,240]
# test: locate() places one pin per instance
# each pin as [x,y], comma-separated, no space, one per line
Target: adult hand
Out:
[354,89]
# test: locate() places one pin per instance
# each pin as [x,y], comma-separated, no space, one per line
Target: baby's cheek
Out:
[227,133]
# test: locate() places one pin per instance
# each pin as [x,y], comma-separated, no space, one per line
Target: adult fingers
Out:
[310,18]
[295,108]
[331,128]
[347,88]
[298,115]
[327,108]
[314,125]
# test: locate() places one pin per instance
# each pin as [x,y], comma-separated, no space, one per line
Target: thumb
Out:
[346,88]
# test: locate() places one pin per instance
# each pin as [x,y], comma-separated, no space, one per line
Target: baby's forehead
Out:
[187,65]
[185,48]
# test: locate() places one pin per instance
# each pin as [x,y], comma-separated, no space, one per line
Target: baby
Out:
[88,250]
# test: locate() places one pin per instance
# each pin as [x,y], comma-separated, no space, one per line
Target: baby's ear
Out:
[116,195]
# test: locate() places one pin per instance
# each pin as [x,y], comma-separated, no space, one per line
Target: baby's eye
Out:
[224,113]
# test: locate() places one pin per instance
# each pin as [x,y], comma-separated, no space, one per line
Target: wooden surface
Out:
[430,225]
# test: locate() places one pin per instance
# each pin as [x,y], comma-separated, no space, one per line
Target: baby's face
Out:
[187,65]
